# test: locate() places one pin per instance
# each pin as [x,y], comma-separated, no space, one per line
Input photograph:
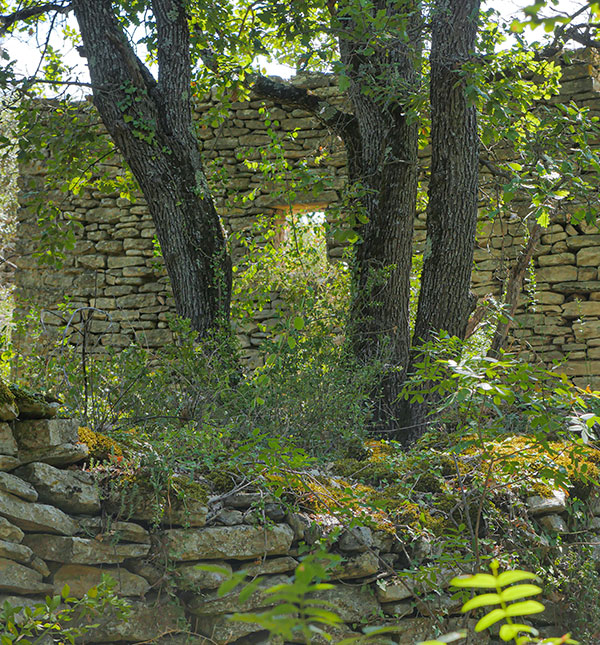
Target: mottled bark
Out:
[445,300]
[151,123]
[383,174]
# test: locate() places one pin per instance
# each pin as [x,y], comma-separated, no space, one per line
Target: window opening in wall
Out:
[302,229]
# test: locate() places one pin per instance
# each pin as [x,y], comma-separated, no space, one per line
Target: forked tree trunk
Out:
[445,300]
[151,123]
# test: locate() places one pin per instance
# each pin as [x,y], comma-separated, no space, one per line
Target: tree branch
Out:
[30,12]
[342,123]
[514,285]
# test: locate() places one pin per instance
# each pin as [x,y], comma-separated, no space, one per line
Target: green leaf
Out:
[249,589]
[509,577]
[525,608]
[299,323]
[519,591]
[489,619]
[479,580]
[482,600]
[510,632]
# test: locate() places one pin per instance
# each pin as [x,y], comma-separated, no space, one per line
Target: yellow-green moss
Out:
[222,481]
[373,472]
[100,446]
[538,464]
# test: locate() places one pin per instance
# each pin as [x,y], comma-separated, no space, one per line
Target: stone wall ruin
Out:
[113,266]
[60,525]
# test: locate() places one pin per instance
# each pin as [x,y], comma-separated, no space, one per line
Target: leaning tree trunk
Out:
[445,300]
[383,174]
[151,123]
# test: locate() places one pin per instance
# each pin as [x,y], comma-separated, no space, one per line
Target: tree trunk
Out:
[151,123]
[383,174]
[445,300]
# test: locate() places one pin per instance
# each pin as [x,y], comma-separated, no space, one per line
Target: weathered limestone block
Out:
[358,566]
[219,629]
[211,603]
[588,256]
[31,516]
[190,577]
[8,463]
[556,503]
[144,622]
[556,259]
[586,330]
[16,486]
[577,309]
[270,566]
[71,491]
[8,445]
[82,578]
[8,406]
[352,604]
[61,455]
[406,587]
[356,540]
[33,406]
[235,542]
[75,550]
[114,531]
[9,531]
[35,434]
[19,579]
[16,552]
[553,523]
[557,274]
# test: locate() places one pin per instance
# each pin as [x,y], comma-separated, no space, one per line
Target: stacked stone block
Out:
[114,268]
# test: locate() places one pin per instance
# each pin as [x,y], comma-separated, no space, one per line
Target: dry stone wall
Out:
[113,266]
[59,526]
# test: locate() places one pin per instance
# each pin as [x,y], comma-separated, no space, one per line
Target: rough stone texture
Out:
[358,566]
[189,576]
[61,455]
[19,579]
[8,463]
[113,530]
[144,622]
[81,579]
[356,539]
[211,603]
[16,552]
[352,604]
[553,523]
[8,444]
[9,531]
[71,491]
[236,542]
[42,433]
[16,486]
[77,550]
[557,503]
[8,411]
[31,516]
